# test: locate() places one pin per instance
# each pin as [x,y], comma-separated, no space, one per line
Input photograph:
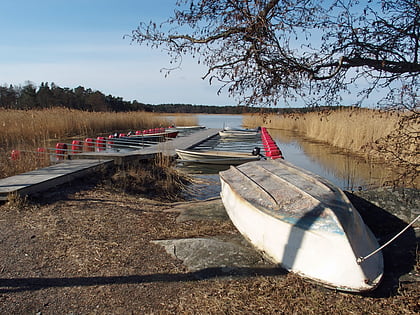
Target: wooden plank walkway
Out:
[85,163]
[167,148]
[48,177]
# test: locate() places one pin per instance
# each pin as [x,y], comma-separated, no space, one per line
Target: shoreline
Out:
[91,249]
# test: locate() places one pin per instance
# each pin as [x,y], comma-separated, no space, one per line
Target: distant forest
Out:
[47,95]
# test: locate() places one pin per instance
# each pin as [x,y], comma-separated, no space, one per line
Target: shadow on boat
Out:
[399,256]
[297,234]
[14,285]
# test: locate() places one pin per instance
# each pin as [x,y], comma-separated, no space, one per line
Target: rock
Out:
[204,253]
[206,210]
[403,203]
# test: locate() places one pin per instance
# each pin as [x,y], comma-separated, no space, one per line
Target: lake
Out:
[349,172]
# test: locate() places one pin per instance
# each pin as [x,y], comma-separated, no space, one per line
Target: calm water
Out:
[346,171]
[220,121]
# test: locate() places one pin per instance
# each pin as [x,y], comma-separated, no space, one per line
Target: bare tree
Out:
[264,51]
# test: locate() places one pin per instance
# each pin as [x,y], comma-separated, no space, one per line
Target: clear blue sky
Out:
[80,42]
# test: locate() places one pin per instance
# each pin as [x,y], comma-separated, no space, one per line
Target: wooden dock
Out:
[48,177]
[167,148]
[85,163]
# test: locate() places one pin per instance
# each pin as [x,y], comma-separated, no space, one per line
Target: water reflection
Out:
[347,171]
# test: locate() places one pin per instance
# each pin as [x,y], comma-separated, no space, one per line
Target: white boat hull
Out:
[238,134]
[316,247]
[216,157]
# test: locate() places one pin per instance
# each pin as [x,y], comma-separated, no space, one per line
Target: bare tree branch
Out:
[266,49]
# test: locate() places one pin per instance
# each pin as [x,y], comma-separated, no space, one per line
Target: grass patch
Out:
[157,179]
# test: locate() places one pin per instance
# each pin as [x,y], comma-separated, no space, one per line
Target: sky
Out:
[80,43]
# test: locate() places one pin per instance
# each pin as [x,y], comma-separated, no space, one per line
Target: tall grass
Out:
[26,130]
[389,136]
[27,161]
[36,126]
[184,120]
[349,129]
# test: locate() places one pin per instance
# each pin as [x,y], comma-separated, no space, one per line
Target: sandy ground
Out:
[92,250]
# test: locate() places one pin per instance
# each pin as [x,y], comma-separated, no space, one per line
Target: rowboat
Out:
[187,128]
[240,134]
[241,129]
[303,223]
[216,157]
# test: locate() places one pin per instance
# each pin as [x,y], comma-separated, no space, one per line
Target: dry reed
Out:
[157,179]
[26,161]
[184,120]
[35,127]
[388,136]
[27,130]
[349,129]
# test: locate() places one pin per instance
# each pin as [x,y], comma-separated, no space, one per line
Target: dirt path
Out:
[89,251]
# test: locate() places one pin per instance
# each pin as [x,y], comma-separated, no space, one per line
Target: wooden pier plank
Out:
[167,148]
[192,140]
[83,163]
[48,177]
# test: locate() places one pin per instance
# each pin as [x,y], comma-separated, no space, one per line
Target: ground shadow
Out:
[33,284]
[400,255]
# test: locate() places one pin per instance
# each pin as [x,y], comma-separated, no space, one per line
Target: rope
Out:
[361,259]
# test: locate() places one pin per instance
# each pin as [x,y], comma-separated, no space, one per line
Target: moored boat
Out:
[239,134]
[242,129]
[216,157]
[302,222]
[187,128]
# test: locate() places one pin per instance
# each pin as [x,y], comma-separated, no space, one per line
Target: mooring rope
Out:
[361,259]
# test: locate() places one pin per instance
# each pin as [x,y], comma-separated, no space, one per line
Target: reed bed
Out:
[388,136]
[349,129]
[27,130]
[37,126]
[184,120]
[157,179]
[27,161]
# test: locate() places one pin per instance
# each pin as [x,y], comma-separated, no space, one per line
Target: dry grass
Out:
[35,127]
[91,253]
[27,161]
[390,136]
[27,130]
[156,178]
[184,120]
[287,295]
[349,129]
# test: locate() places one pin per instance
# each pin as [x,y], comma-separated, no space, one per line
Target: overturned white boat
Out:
[302,222]
[216,157]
